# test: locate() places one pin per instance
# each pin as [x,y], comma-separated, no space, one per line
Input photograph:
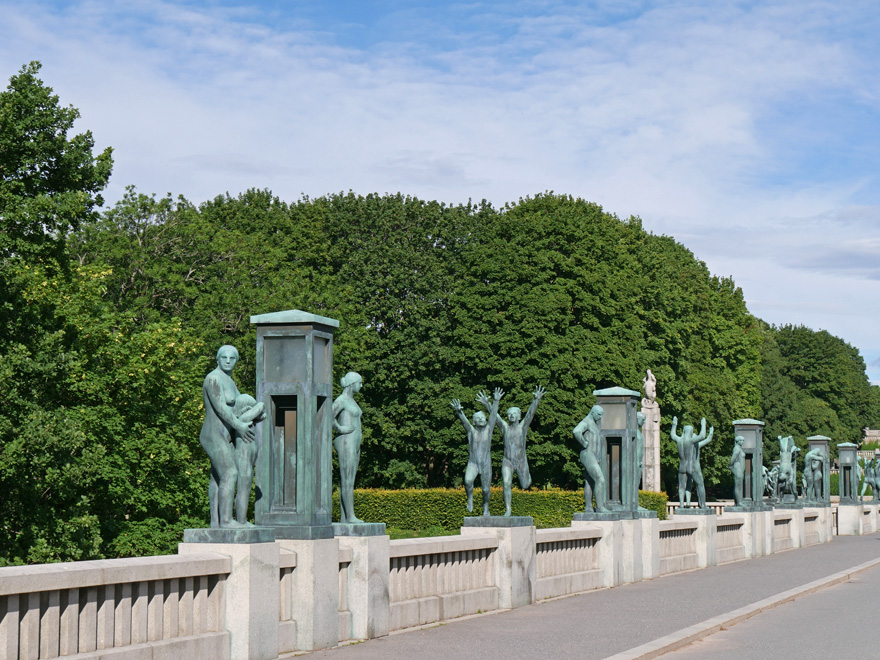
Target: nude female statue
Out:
[738,467]
[219,393]
[347,424]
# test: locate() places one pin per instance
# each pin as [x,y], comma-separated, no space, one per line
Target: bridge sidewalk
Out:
[621,621]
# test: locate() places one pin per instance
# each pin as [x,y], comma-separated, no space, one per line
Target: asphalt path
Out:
[602,623]
[837,622]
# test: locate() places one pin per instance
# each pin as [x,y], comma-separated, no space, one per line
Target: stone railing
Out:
[256,601]
[567,561]
[344,607]
[286,595]
[678,546]
[168,606]
[812,531]
[729,539]
[782,531]
[434,579]
[869,520]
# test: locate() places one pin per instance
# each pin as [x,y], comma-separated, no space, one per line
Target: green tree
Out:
[814,383]
[49,183]
[99,427]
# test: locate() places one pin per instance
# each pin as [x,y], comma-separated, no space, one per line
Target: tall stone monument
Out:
[618,455]
[295,385]
[651,434]
[850,473]
[752,433]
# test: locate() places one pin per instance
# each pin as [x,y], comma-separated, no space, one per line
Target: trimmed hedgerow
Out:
[420,509]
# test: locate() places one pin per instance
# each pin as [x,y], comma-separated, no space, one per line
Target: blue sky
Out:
[749,131]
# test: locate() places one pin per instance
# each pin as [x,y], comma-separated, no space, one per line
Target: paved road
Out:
[602,623]
[835,622]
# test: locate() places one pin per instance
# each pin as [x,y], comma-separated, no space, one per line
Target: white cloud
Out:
[704,119]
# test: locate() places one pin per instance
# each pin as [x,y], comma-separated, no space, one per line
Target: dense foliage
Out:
[438,302]
[814,383]
[110,323]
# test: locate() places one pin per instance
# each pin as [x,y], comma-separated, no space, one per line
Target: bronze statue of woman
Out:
[347,424]
[219,393]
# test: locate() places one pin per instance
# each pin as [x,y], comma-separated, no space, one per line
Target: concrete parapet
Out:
[251,597]
[850,519]
[514,562]
[608,548]
[368,586]
[434,579]
[314,605]
[567,561]
[757,530]
[76,575]
[870,519]
[678,545]
[729,538]
[650,547]
[705,540]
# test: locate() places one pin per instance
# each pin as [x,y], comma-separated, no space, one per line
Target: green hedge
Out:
[834,479]
[420,509]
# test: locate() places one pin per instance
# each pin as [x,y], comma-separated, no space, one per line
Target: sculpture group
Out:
[479,435]
[229,439]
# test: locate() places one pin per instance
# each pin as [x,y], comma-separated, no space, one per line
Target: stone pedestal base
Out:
[694,511]
[252,588]
[870,521]
[358,529]
[368,584]
[498,521]
[215,535]
[629,550]
[303,532]
[849,519]
[591,516]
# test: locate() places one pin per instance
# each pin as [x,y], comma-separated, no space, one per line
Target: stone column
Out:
[651,433]
[873,507]
[515,563]
[757,533]
[706,540]
[849,519]
[251,597]
[315,594]
[650,550]
[368,585]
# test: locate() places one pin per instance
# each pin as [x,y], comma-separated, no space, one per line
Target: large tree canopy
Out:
[814,383]
[438,302]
